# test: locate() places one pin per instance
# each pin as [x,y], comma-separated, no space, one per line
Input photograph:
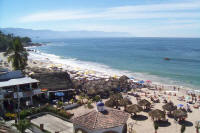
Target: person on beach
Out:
[174,88]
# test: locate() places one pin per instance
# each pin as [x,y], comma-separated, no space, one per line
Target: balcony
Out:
[1,97]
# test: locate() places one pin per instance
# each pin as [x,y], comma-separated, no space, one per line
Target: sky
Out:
[140,18]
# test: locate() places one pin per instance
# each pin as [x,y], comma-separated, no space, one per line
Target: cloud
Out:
[157,7]
[173,10]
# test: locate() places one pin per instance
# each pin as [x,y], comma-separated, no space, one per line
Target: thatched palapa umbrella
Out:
[144,103]
[134,109]
[169,107]
[91,92]
[116,97]
[180,114]
[110,103]
[123,78]
[157,114]
[124,102]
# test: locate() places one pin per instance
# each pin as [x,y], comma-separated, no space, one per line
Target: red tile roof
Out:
[97,120]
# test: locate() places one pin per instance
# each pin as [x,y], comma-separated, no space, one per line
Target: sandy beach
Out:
[139,126]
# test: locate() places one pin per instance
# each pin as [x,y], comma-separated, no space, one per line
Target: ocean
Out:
[142,58]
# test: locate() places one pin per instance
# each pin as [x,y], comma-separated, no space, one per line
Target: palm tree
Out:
[182,128]
[156,126]
[22,125]
[197,126]
[17,55]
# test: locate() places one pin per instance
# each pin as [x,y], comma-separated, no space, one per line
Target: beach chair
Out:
[196,106]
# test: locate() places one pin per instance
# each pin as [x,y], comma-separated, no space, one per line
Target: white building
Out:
[101,120]
[14,86]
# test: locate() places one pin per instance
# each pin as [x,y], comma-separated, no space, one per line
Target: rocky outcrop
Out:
[53,80]
[62,80]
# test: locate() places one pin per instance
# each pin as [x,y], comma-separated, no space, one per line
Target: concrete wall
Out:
[116,129]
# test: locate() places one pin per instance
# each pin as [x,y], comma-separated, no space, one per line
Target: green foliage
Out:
[72,101]
[46,108]
[182,128]
[10,116]
[25,39]
[60,104]
[22,125]
[156,126]
[17,55]
[7,40]
[89,104]
[25,113]
[97,98]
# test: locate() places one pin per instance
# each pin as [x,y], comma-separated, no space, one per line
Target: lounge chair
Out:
[196,105]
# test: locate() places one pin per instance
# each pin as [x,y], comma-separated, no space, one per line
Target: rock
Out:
[166,58]
[53,80]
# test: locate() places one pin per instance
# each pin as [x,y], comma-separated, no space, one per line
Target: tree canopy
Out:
[6,40]
[17,54]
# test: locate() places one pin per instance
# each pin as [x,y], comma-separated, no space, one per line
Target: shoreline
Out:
[110,72]
[47,63]
[138,125]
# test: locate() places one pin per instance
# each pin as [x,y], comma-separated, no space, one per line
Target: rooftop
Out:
[5,75]
[96,120]
[19,81]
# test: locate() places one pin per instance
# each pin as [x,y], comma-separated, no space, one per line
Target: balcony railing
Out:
[20,94]
[1,97]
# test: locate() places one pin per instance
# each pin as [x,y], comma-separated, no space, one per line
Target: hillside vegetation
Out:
[7,40]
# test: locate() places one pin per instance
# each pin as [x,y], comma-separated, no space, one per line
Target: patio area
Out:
[53,124]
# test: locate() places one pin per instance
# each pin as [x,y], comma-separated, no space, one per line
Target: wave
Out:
[73,64]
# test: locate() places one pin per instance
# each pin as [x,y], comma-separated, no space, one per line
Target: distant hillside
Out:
[6,40]
[49,34]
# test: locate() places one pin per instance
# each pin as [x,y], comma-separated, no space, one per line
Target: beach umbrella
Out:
[141,82]
[148,81]
[115,76]
[157,114]
[180,113]
[125,102]
[144,102]
[169,107]
[180,105]
[134,109]
[59,94]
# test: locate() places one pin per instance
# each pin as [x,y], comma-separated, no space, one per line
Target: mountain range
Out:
[50,34]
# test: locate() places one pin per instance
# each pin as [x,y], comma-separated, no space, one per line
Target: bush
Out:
[97,98]
[89,105]
[60,104]
[46,108]
[22,125]
[10,116]
[65,114]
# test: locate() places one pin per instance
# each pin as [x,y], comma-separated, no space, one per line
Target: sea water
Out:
[142,58]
